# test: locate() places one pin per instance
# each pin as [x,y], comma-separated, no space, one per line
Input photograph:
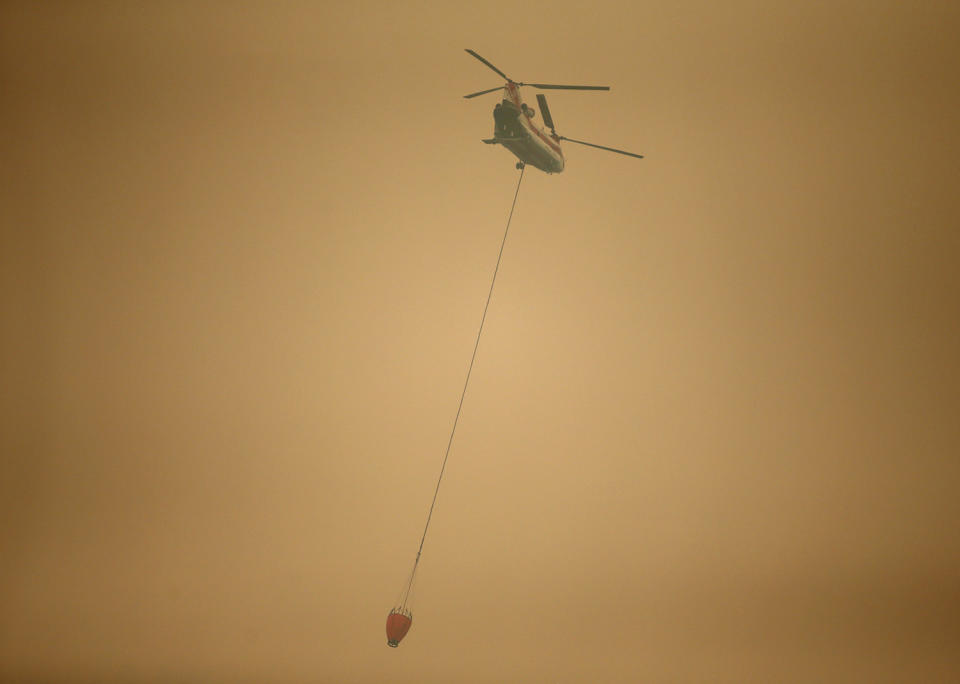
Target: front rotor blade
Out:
[483,92]
[545,111]
[551,86]
[601,147]
[505,77]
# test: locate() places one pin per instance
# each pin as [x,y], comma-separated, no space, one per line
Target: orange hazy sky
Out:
[712,431]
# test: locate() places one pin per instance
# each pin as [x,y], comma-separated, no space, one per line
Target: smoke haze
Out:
[712,431]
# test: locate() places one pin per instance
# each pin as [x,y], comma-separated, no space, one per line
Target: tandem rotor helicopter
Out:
[515,130]
[514,127]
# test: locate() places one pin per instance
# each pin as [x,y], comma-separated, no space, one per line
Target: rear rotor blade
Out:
[551,86]
[601,147]
[505,77]
[483,92]
[545,111]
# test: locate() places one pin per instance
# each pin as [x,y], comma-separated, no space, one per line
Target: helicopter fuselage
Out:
[515,129]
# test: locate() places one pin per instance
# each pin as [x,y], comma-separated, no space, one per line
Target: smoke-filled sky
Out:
[712,431]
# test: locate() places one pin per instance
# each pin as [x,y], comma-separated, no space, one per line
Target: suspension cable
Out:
[463,394]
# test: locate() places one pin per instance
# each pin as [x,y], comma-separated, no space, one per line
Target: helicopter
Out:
[515,130]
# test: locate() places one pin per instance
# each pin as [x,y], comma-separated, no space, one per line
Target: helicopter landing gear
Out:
[520,165]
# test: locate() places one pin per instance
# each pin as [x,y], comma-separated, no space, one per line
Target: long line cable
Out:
[463,394]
